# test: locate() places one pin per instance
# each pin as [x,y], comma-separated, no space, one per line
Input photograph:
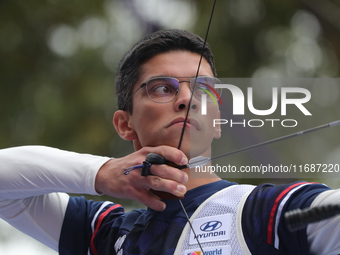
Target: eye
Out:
[161,87]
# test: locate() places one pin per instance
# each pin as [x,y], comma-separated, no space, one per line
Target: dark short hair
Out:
[162,41]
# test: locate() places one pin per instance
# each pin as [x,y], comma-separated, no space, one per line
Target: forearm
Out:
[323,236]
[29,175]
[36,170]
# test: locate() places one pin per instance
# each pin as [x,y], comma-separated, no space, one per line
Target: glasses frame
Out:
[144,84]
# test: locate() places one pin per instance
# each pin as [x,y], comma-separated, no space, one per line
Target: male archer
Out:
[155,83]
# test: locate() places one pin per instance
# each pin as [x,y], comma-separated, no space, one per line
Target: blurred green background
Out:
[58,60]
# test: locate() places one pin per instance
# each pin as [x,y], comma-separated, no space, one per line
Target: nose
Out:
[183,99]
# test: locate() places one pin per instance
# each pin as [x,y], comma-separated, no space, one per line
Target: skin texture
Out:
[156,127]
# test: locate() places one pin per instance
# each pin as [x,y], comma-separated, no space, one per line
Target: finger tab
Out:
[154,158]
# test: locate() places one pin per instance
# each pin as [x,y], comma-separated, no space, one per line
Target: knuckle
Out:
[144,151]
[156,182]
[162,151]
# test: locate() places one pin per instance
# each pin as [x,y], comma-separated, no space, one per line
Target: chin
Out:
[174,143]
[192,151]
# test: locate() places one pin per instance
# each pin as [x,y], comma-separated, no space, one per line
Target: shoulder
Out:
[262,217]
[87,221]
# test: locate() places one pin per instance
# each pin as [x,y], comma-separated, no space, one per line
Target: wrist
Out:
[104,173]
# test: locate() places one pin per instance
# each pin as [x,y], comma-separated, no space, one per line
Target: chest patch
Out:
[213,228]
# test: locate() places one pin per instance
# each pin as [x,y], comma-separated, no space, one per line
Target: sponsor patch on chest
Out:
[221,250]
[213,228]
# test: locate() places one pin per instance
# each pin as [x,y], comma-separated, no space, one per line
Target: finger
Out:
[170,186]
[168,172]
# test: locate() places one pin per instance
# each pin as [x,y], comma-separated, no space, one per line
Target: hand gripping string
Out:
[152,158]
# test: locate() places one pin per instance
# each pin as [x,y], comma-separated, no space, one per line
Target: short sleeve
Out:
[83,219]
[263,222]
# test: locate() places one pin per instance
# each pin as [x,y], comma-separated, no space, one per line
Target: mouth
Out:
[190,123]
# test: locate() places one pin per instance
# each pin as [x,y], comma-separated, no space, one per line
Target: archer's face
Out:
[156,124]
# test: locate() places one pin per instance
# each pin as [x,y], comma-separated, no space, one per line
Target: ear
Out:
[122,123]
[217,131]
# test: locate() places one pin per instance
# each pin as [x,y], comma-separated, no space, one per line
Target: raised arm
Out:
[30,175]
[323,236]
[34,180]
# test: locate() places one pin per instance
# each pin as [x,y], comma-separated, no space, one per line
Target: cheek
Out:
[141,107]
[147,119]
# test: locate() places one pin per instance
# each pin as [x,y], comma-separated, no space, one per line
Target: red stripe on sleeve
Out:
[99,222]
[273,211]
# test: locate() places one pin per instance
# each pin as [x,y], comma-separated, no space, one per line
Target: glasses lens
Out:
[162,89]
[206,86]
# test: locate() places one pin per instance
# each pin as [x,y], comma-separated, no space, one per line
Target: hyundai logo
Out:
[211,225]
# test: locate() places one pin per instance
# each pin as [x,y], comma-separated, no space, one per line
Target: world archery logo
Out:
[195,253]
[210,251]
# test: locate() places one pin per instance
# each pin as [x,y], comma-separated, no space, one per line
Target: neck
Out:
[199,179]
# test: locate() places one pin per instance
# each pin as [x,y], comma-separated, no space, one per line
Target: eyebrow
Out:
[178,77]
